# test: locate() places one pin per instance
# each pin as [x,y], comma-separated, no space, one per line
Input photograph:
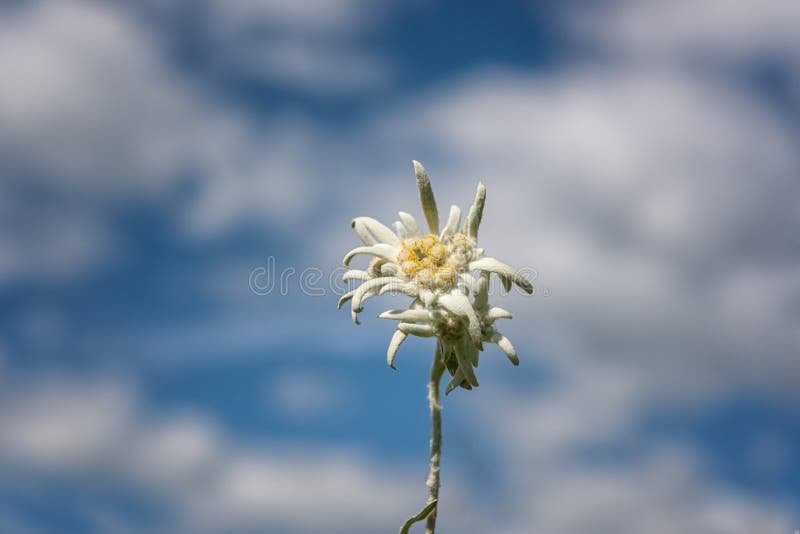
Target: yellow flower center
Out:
[431,262]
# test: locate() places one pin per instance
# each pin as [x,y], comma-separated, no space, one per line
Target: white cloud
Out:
[665,494]
[310,47]
[306,395]
[93,116]
[207,481]
[640,198]
[714,30]
[634,191]
[3,356]
[659,207]
[86,98]
[57,245]
[318,16]
[588,404]
[69,426]
[315,68]
[539,442]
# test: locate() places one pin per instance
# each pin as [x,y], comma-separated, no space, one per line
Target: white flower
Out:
[435,270]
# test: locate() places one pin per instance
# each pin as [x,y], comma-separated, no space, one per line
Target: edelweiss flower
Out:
[435,270]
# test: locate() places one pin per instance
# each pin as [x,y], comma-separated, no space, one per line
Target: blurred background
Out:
[641,160]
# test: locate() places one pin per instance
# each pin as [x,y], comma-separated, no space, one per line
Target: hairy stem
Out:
[437,369]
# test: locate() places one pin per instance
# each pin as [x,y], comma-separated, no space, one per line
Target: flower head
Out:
[435,270]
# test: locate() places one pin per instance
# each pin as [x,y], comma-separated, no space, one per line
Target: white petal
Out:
[426,198]
[347,296]
[453,220]
[400,230]
[353,312]
[469,282]
[355,274]
[410,224]
[482,292]
[421,330]
[394,344]
[409,316]
[367,295]
[366,237]
[370,285]
[498,313]
[459,305]
[464,357]
[381,232]
[506,346]
[427,296]
[476,212]
[436,314]
[494,266]
[381,250]
[390,269]
[399,287]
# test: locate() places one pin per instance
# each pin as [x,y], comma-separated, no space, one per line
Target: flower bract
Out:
[445,274]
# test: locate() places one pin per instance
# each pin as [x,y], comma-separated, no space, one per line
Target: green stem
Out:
[437,369]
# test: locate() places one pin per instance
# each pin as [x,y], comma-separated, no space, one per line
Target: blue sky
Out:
[640,158]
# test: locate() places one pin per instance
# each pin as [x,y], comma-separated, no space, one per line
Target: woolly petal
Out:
[381,232]
[494,266]
[347,296]
[460,305]
[476,212]
[397,338]
[469,282]
[421,330]
[453,220]
[506,346]
[381,250]
[354,312]
[410,224]
[370,285]
[390,269]
[409,316]
[367,238]
[416,305]
[356,274]
[400,230]
[497,313]
[482,291]
[426,197]
[399,287]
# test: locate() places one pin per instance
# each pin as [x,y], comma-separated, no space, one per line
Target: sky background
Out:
[641,160]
